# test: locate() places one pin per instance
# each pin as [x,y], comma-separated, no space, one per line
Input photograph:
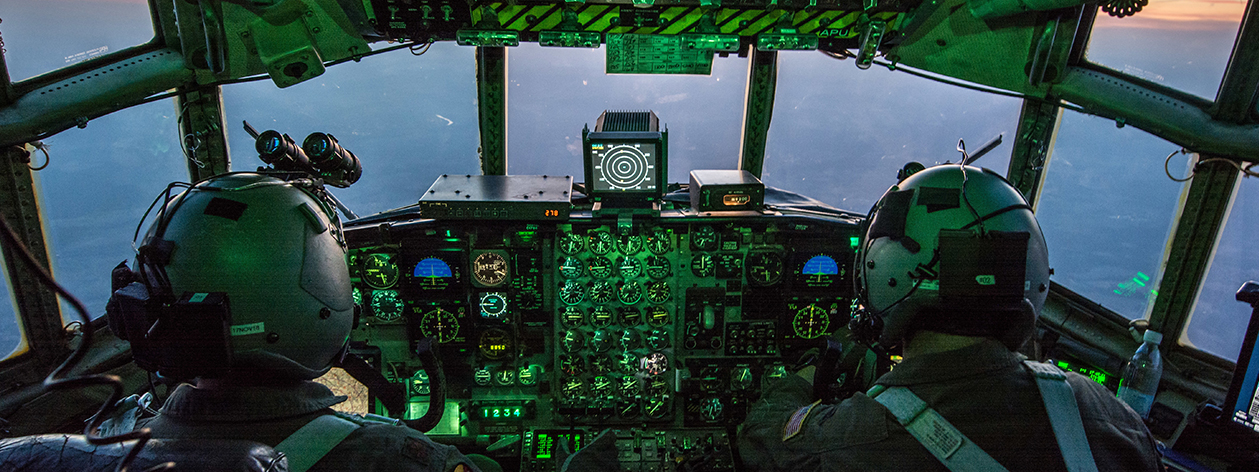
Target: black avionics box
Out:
[498,197]
[726,190]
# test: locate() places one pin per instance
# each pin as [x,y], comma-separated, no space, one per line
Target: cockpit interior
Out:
[677,224]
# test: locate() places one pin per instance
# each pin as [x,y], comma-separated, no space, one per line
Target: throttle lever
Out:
[437,387]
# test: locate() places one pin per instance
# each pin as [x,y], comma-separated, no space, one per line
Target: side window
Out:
[1219,321]
[98,183]
[1106,208]
[45,35]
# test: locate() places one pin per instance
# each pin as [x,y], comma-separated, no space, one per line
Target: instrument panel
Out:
[663,329]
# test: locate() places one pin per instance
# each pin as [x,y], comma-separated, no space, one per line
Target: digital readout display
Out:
[625,167]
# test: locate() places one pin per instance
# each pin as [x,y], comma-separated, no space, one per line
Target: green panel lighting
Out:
[570,39]
[713,41]
[487,38]
[854,241]
[786,41]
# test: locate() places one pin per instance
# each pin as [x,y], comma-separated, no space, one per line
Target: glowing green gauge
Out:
[703,266]
[658,267]
[601,292]
[629,244]
[572,317]
[505,377]
[601,340]
[573,388]
[630,386]
[764,268]
[573,341]
[711,409]
[490,269]
[629,339]
[629,316]
[572,292]
[601,387]
[658,316]
[657,385]
[811,322]
[659,242]
[495,343]
[629,267]
[599,267]
[628,408]
[601,317]
[658,407]
[572,268]
[704,238]
[629,293]
[572,364]
[658,292]
[601,242]
[482,376]
[571,243]
[658,339]
[627,362]
[527,376]
[601,364]
[386,305]
[379,271]
[440,324]
[493,305]
[358,296]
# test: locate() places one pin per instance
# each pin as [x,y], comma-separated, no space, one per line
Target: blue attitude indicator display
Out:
[433,273]
[818,270]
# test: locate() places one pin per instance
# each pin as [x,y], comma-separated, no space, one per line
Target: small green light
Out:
[1099,377]
[570,39]
[1155,292]
[714,41]
[786,42]
[1143,276]
[1134,279]
[487,38]
[854,241]
[1118,292]
[1064,364]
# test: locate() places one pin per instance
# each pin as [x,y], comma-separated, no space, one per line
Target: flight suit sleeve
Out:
[396,449]
[761,435]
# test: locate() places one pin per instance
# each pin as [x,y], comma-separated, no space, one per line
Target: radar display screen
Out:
[625,167]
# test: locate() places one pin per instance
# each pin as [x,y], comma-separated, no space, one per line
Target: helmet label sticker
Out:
[224,208]
[251,328]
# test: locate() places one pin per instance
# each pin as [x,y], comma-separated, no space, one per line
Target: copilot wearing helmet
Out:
[953,270]
[242,287]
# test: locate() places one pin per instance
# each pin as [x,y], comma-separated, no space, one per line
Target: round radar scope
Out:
[629,166]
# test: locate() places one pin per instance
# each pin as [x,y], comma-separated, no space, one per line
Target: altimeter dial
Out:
[490,269]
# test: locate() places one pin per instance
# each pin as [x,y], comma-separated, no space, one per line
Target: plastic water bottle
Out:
[1141,375]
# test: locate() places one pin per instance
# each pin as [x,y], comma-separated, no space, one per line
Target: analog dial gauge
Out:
[655,363]
[657,339]
[627,362]
[658,316]
[572,364]
[658,242]
[495,343]
[493,305]
[573,388]
[704,238]
[505,377]
[439,324]
[600,364]
[571,243]
[600,267]
[572,268]
[630,244]
[629,316]
[601,317]
[572,317]
[572,292]
[601,292]
[629,293]
[601,387]
[490,269]
[527,376]
[601,340]
[658,267]
[657,407]
[380,271]
[386,305]
[629,267]
[764,268]
[601,242]
[658,292]
[811,322]
[573,341]
[703,266]
[630,386]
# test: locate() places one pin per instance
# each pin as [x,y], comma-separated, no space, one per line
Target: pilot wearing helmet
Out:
[242,286]
[953,268]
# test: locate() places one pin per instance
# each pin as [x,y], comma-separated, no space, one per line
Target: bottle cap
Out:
[1152,336]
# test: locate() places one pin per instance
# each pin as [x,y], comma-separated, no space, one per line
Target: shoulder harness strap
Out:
[312,442]
[1064,416]
[945,442]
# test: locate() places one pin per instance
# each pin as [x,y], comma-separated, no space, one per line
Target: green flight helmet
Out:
[276,249]
[953,249]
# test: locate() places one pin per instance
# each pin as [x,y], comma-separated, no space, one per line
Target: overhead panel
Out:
[836,24]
